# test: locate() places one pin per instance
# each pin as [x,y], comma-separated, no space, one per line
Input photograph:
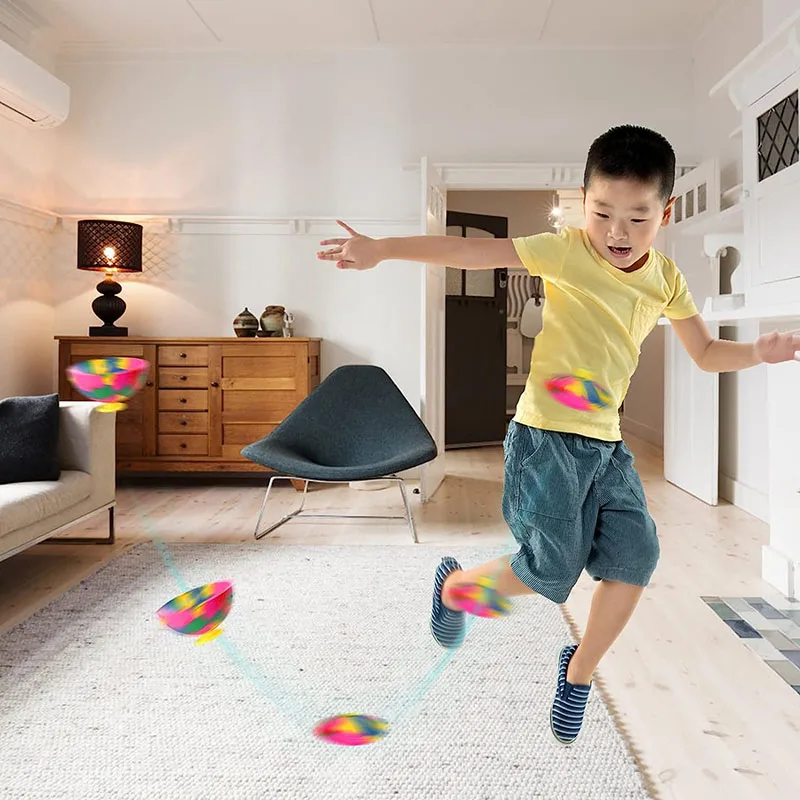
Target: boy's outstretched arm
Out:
[718,355]
[362,252]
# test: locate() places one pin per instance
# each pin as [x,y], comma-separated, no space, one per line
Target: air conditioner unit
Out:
[29,94]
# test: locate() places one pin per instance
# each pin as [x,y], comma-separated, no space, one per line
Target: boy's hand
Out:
[775,348]
[357,252]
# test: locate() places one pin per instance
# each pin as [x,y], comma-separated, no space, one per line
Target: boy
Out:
[571,495]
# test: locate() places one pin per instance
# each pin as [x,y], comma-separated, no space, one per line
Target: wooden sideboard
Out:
[204,400]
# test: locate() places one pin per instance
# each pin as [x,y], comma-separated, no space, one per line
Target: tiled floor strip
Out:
[772,630]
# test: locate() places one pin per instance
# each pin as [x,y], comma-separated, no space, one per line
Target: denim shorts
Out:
[575,503]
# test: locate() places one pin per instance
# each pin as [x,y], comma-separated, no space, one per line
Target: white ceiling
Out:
[276,24]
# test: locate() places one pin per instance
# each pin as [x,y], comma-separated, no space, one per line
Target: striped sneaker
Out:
[447,626]
[566,715]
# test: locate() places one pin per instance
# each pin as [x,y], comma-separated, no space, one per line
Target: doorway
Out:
[475,341]
[487,356]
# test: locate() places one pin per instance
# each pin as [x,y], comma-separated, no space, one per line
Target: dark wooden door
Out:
[475,342]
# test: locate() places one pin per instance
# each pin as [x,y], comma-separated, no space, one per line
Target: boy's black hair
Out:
[633,152]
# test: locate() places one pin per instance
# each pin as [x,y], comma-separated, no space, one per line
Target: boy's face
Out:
[623,217]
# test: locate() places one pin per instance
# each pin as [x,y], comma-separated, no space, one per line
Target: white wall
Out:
[320,135]
[776,11]
[26,308]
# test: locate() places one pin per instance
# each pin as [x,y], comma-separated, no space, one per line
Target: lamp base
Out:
[107,330]
[109,307]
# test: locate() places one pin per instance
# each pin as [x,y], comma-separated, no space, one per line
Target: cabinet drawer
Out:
[176,445]
[177,356]
[177,400]
[175,422]
[177,378]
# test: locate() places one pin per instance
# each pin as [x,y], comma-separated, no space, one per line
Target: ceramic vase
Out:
[246,324]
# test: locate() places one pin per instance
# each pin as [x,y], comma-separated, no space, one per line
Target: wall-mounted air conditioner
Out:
[29,94]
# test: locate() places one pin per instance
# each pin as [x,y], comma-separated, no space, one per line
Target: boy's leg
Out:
[544,501]
[623,556]
[613,605]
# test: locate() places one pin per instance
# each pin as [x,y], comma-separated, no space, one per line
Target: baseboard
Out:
[780,571]
[745,497]
[641,431]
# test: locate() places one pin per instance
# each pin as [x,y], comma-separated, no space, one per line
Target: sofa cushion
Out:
[29,439]
[22,504]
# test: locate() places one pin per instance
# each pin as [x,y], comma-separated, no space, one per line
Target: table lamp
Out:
[109,246]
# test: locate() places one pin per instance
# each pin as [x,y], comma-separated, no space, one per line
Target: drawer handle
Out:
[182,400]
[184,423]
[215,384]
[182,355]
[183,445]
[183,378]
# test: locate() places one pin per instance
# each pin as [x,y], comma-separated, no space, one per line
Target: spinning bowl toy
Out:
[481,599]
[110,381]
[352,729]
[579,391]
[200,611]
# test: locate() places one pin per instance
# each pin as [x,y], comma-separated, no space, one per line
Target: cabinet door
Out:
[259,384]
[136,424]
[772,187]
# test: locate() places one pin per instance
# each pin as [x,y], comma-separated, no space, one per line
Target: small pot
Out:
[272,320]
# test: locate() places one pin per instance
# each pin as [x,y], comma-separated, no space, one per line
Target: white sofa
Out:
[34,511]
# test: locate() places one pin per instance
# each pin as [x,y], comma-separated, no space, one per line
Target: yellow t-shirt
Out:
[595,318]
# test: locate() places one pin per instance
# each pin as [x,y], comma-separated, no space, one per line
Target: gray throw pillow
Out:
[29,439]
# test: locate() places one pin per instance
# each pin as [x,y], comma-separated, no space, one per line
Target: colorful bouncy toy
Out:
[200,611]
[579,391]
[480,599]
[110,381]
[352,729]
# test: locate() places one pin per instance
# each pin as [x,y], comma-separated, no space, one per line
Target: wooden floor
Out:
[709,717]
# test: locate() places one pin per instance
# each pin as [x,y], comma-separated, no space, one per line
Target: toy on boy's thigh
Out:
[579,391]
[352,729]
[200,611]
[109,381]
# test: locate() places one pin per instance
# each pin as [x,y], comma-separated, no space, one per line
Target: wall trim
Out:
[187,224]
[745,497]
[29,216]
[647,433]
[290,226]
[520,176]
[780,571]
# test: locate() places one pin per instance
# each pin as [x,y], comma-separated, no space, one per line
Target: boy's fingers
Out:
[346,227]
[333,241]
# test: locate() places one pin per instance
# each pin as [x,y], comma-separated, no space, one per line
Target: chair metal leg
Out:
[110,539]
[408,517]
[280,522]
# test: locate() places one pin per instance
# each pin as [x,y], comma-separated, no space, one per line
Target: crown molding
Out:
[515,176]
[29,216]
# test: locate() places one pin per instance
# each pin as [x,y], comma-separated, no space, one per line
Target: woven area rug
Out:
[99,700]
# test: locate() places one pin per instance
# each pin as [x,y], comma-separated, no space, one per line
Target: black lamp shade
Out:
[105,244]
